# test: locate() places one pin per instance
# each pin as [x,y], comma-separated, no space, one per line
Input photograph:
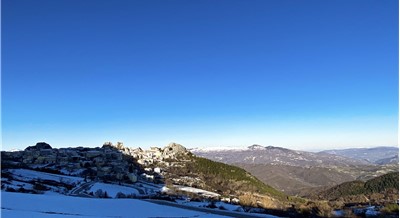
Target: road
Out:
[208,210]
[78,191]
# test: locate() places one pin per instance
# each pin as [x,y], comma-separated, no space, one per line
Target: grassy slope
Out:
[221,176]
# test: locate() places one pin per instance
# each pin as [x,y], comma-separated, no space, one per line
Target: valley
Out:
[303,173]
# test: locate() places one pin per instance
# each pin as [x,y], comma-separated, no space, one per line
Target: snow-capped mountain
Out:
[257,154]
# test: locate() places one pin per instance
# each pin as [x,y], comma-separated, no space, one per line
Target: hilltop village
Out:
[108,163]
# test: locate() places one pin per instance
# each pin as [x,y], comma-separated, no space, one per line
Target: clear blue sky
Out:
[298,74]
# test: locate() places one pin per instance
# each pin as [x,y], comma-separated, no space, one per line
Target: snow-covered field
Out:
[112,190]
[219,205]
[27,175]
[54,202]
[18,179]
[35,206]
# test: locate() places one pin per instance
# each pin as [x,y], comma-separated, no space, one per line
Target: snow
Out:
[228,207]
[112,189]
[17,185]
[14,150]
[28,175]
[24,178]
[338,213]
[221,148]
[165,189]
[72,172]
[35,206]
[236,210]
[371,211]
[196,190]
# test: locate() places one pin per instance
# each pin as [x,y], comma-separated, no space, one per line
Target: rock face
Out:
[174,149]
[119,145]
[38,146]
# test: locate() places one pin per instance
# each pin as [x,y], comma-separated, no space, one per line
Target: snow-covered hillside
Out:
[27,175]
[17,179]
[86,198]
[57,205]
[29,205]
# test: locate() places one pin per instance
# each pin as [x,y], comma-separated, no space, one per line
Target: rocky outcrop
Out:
[256,147]
[38,146]
[174,149]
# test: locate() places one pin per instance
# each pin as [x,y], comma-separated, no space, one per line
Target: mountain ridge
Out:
[297,172]
[273,154]
[374,155]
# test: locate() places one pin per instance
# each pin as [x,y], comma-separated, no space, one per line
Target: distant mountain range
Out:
[377,155]
[300,172]
[257,154]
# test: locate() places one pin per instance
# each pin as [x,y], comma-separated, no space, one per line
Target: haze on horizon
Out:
[307,75]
